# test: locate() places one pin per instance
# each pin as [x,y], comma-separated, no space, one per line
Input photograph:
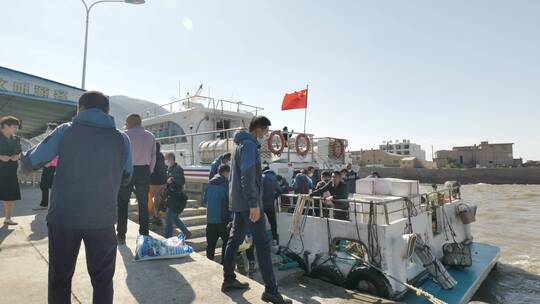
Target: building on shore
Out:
[486,155]
[405,148]
[381,158]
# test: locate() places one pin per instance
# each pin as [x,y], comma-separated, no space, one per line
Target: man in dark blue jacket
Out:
[94,161]
[216,198]
[223,159]
[302,183]
[271,190]
[246,203]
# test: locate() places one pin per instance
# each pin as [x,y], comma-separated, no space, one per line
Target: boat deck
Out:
[469,279]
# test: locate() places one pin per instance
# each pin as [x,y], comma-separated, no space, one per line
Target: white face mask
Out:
[261,140]
[168,163]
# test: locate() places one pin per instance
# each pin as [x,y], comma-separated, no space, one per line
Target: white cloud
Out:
[187,23]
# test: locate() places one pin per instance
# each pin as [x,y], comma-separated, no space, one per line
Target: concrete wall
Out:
[464,176]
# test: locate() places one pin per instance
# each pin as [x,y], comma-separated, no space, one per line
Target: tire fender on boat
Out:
[371,275]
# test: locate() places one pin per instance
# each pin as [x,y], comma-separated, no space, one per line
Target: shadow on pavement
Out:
[146,287]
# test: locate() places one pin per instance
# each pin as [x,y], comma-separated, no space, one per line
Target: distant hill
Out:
[122,106]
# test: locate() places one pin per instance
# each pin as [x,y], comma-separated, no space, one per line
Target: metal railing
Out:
[211,103]
[427,200]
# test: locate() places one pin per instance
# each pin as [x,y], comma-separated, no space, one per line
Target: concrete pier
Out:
[193,279]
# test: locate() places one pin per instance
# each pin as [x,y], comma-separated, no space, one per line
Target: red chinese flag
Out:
[296,100]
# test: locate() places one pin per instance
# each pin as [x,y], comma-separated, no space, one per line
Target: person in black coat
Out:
[158,183]
[338,191]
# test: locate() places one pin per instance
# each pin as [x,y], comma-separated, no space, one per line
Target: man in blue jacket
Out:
[94,161]
[271,191]
[223,159]
[302,183]
[216,198]
[246,204]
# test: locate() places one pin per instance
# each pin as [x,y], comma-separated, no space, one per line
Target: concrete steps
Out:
[195,220]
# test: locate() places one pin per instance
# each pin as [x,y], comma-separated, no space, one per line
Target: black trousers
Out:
[100,246]
[213,233]
[140,184]
[271,215]
[47,177]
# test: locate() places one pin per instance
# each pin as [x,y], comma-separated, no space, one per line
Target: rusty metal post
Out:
[192,151]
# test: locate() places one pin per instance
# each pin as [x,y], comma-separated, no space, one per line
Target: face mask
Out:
[168,163]
[260,141]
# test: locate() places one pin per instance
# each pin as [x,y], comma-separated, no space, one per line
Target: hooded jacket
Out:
[302,183]
[94,160]
[214,166]
[246,176]
[216,198]
[271,188]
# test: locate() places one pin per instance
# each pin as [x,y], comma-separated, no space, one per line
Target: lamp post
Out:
[88,8]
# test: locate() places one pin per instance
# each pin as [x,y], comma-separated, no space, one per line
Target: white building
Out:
[404,147]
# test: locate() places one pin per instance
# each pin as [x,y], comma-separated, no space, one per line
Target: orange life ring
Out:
[271,147]
[297,146]
[337,148]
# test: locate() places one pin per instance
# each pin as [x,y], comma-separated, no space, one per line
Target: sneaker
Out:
[10,222]
[275,298]
[121,239]
[232,285]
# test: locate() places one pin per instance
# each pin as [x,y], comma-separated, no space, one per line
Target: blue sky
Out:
[440,73]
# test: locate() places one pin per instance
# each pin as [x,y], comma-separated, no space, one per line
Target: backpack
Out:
[175,198]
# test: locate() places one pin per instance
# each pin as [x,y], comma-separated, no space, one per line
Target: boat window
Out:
[167,129]
[223,124]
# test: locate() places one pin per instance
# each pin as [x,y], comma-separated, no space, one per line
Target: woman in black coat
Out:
[10,153]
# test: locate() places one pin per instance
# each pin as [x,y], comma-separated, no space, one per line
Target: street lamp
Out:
[88,8]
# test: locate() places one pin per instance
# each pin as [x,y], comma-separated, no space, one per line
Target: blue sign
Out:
[21,84]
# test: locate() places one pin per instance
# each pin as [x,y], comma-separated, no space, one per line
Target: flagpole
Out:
[305,109]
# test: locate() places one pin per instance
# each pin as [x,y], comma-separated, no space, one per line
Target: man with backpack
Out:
[176,198]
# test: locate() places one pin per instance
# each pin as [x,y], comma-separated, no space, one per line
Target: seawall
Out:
[464,176]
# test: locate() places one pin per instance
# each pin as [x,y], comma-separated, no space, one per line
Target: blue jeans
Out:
[241,224]
[172,217]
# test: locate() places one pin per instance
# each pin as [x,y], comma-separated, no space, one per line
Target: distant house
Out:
[380,158]
[485,154]
[405,148]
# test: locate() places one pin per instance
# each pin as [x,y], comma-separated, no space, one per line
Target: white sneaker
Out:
[10,222]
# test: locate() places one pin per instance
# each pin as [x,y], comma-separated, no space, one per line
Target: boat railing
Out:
[190,102]
[287,144]
[386,207]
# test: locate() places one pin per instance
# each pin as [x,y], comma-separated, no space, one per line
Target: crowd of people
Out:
[96,168]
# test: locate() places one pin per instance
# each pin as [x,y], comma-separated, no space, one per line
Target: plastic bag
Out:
[149,248]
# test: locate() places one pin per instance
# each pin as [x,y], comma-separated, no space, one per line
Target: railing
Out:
[211,103]
[427,200]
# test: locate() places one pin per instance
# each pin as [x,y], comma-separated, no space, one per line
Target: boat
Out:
[391,241]
[198,129]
